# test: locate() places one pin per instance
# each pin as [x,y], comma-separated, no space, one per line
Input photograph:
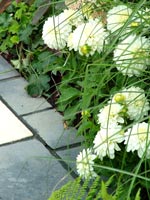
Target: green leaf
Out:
[87,98]
[5,19]
[75,190]
[37,85]
[14,39]
[14,27]
[3,32]
[44,79]
[85,126]
[24,34]
[71,112]
[20,12]
[16,64]
[34,89]
[105,195]
[45,55]
[137,197]
[6,43]
[68,93]
[20,64]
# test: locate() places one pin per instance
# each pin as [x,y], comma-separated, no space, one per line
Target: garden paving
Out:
[42,157]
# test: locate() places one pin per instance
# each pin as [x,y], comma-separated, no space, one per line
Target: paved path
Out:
[40,158]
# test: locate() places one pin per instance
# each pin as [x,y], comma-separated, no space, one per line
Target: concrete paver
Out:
[11,128]
[6,70]
[49,125]
[29,172]
[31,169]
[13,92]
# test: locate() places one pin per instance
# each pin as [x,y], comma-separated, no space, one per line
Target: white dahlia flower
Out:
[56,31]
[134,100]
[109,115]
[138,138]
[132,55]
[84,163]
[117,17]
[88,38]
[106,142]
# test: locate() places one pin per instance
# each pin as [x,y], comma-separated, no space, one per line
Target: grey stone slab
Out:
[69,156]
[6,70]
[13,92]
[29,172]
[49,125]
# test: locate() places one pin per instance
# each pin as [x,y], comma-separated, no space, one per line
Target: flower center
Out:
[123,16]
[139,103]
[142,134]
[139,53]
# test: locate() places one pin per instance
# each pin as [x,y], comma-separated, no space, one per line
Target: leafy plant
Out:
[16,26]
[89,190]
[22,43]
[98,80]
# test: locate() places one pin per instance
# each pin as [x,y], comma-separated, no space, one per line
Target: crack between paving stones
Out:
[17,141]
[70,146]
[10,78]
[19,117]
[41,140]
[59,159]
[37,111]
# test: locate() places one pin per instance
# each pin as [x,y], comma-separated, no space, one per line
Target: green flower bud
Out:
[134,24]
[119,98]
[85,49]
[85,113]
[124,110]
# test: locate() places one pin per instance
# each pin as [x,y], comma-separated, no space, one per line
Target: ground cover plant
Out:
[21,43]
[92,60]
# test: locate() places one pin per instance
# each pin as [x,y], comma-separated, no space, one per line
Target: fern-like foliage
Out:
[88,190]
[79,190]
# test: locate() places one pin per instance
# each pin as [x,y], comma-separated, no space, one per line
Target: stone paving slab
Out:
[31,169]
[6,70]
[11,128]
[49,125]
[29,172]
[13,91]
